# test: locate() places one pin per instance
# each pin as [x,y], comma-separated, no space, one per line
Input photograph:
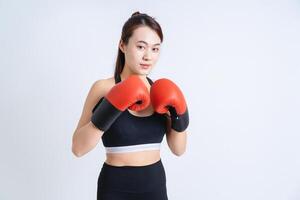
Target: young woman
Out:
[131,114]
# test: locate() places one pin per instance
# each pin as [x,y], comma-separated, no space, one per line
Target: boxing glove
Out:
[166,96]
[131,93]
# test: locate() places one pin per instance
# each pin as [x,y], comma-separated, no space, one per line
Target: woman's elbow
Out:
[76,152]
[179,153]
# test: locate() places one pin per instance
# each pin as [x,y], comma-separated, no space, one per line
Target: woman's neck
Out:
[126,73]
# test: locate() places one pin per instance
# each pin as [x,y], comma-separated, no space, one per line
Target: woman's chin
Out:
[142,72]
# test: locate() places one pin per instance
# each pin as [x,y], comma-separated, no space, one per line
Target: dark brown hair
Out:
[136,20]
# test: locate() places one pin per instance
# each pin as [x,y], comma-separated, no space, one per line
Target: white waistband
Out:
[133,148]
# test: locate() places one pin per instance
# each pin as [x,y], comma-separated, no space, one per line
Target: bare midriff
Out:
[139,158]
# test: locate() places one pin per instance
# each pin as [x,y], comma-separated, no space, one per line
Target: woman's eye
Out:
[157,49]
[140,46]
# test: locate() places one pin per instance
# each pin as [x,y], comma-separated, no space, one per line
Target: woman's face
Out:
[143,48]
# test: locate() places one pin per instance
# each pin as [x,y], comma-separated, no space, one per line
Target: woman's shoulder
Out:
[103,84]
[99,88]
[104,81]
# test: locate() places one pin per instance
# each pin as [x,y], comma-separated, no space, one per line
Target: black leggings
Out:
[132,182]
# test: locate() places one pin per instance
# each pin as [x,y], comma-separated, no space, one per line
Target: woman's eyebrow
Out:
[147,43]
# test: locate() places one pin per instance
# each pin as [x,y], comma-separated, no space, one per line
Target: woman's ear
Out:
[121,46]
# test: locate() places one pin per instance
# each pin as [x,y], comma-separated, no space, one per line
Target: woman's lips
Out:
[145,66]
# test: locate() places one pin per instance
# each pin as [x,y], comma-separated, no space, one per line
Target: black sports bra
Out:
[131,133]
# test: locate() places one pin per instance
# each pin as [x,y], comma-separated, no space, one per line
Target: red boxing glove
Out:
[131,93]
[166,96]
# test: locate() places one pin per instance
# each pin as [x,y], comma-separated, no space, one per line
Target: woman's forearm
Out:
[177,141]
[85,139]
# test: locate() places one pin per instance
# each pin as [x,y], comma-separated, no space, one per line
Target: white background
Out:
[237,63]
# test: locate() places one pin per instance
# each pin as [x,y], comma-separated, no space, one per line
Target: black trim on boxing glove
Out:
[97,104]
[104,115]
[179,122]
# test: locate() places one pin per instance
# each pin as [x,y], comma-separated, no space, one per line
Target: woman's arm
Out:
[176,140]
[85,139]
[86,136]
